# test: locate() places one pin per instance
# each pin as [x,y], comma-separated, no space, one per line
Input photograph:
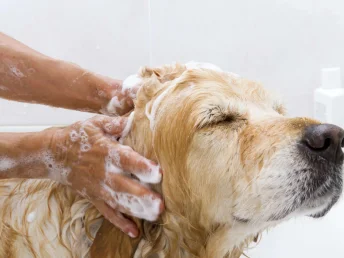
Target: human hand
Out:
[122,93]
[88,157]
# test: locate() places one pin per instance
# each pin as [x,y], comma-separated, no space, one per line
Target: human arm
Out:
[29,76]
[87,157]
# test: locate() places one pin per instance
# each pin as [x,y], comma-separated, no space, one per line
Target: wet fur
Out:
[196,222]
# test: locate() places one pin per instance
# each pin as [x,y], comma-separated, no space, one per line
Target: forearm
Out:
[28,76]
[26,155]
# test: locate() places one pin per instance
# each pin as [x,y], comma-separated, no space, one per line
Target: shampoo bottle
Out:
[329,98]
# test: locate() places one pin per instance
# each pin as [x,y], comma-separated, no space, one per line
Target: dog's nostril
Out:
[324,140]
[327,144]
[319,144]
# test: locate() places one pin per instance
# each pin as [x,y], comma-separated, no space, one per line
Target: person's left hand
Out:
[88,158]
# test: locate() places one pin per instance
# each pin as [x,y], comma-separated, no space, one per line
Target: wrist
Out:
[83,90]
[24,155]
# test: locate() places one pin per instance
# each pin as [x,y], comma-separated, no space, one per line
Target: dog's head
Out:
[233,163]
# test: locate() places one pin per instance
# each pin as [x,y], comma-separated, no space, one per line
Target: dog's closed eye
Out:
[214,114]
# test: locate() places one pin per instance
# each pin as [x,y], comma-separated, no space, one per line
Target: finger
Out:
[115,217]
[130,161]
[131,197]
[113,125]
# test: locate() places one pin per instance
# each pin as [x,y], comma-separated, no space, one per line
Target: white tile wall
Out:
[283,43]
[108,37]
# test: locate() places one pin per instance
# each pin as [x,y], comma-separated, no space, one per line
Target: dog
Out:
[234,165]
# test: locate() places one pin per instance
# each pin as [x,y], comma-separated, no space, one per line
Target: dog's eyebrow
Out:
[215,113]
[242,220]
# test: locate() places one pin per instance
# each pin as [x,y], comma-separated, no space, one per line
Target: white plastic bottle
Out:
[329,98]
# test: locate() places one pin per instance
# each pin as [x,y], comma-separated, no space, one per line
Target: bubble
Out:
[85,147]
[108,127]
[31,217]
[74,136]
[7,163]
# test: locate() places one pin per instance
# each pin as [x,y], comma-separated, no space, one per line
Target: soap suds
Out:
[7,164]
[153,176]
[155,104]
[84,144]
[146,207]
[82,137]
[131,82]
[15,71]
[74,136]
[56,170]
[127,127]
[3,88]
[78,78]
[31,217]
[195,65]
[112,162]
[114,104]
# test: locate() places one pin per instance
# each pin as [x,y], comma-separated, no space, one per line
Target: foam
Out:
[196,65]
[81,136]
[153,176]
[74,136]
[114,104]
[31,217]
[154,106]
[112,162]
[127,127]
[14,70]
[7,164]
[56,171]
[189,66]
[146,207]
[3,88]
[131,82]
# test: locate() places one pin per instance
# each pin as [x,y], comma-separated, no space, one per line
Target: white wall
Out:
[282,43]
[109,37]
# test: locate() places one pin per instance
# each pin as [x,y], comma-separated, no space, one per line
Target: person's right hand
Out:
[89,159]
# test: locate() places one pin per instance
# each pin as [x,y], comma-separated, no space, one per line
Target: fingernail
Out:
[132,235]
[131,232]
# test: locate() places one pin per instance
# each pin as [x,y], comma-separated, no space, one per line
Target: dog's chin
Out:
[315,205]
[328,202]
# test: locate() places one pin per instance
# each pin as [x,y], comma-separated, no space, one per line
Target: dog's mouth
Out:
[316,192]
[331,201]
[323,187]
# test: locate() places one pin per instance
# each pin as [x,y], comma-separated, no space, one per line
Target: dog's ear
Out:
[164,73]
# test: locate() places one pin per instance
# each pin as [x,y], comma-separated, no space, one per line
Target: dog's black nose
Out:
[325,140]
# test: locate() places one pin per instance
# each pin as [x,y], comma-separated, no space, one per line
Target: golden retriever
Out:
[234,165]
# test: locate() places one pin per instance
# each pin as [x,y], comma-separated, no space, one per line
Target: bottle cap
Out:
[331,78]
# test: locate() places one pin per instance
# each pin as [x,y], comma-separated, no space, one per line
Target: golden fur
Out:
[204,116]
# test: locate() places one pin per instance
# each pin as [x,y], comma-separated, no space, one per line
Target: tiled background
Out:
[283,43]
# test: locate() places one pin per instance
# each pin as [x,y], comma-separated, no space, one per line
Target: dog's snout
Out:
[326,140]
